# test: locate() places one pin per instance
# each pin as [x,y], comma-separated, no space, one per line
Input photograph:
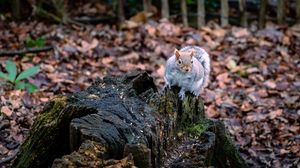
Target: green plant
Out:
[39,42]
[16,79]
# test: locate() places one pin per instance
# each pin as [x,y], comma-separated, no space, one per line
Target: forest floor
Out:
[254,85]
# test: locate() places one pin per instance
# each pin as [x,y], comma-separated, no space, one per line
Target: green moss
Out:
[198,128]
[45,126]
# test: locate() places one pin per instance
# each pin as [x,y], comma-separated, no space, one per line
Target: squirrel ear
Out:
[177,54]
[192,53]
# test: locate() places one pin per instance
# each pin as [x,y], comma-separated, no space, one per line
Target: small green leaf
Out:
[27,73]
[31,87]
[11,68]
[4,76]
[20,85]
[29,42]
[39,42]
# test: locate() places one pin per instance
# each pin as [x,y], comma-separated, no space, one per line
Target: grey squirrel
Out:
[188,69]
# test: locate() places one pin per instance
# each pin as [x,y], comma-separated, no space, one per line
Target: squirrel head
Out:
[184,60]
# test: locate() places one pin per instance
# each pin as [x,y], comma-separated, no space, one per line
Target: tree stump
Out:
[125,122]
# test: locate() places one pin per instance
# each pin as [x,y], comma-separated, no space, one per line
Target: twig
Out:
[95,20]
[25,50]
[9,158]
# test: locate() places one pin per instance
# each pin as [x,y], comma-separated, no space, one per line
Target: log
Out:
[125,122]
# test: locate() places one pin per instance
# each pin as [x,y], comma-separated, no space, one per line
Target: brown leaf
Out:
[3,150]
[160,71]
[165,28]
[222,79]
[275,113]
[6,110]
[251,117]
[86,46]
[151,30]
[133,56]
[270,84]
[44,99]
[15,104]
[246,106]
[211,112]
[107,60]
[240,32]
[219,32]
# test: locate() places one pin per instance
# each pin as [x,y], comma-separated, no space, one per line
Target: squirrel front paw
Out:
[196,92]
[167,86]
[181,94]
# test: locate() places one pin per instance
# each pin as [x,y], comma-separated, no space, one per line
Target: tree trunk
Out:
[298,10]
[224,12]
[121,13]
[124,122]
[184,13]
[280,11]
[165,9]
[201,13]
[147,5]
[16,9]
[262,14]
[243,12]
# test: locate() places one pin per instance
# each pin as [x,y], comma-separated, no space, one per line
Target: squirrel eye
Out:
[179,61]
[191,61]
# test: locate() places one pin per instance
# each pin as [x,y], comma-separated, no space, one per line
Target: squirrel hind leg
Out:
[167,86]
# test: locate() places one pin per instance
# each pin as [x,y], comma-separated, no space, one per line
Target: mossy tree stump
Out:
[124,121]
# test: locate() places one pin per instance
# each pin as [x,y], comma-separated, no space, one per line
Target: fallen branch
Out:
[25,51]
[95,20]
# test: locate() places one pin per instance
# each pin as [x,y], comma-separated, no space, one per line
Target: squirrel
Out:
[188,69]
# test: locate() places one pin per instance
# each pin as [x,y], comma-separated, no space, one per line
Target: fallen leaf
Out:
[5,110]
[270,84]
[161,70]
[211,112]
[275,113]
[240,32]
[246,106]
[231,64]
[133,56]
[252,117]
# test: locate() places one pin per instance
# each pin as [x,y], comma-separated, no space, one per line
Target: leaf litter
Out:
[254,85]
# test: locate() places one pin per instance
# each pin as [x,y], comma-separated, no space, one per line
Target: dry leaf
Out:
[5,110]
[275,113]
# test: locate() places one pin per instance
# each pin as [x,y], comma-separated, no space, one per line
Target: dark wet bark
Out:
[124,121]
